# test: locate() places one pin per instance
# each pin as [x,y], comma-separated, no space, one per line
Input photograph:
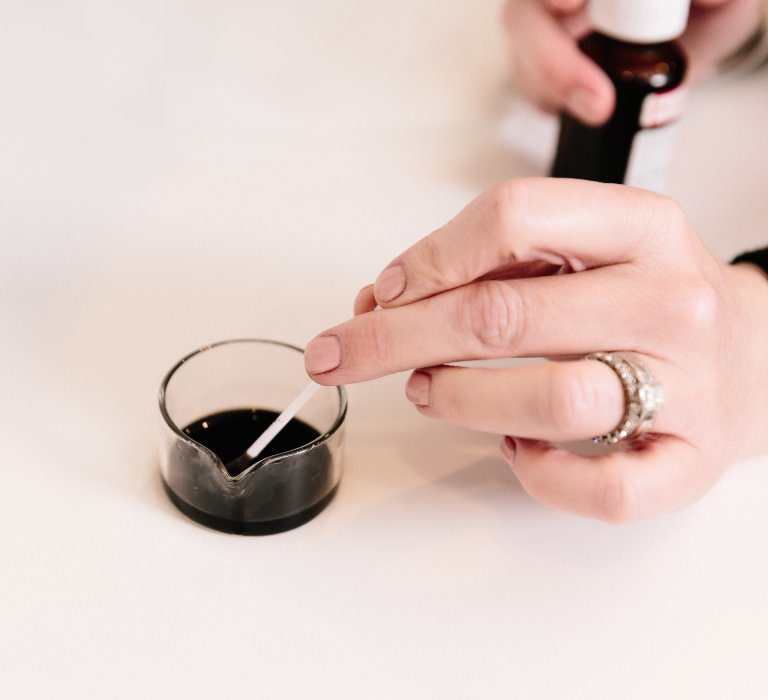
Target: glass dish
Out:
[278,491]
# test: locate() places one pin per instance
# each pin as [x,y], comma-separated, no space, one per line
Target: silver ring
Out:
[643,396]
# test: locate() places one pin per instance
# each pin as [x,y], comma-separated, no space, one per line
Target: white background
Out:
[174,173]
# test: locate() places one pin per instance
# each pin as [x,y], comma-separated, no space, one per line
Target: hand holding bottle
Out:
[554,74]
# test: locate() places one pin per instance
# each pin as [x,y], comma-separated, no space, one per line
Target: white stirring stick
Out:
[282,420]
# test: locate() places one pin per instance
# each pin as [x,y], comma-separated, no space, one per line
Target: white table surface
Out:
[174,173]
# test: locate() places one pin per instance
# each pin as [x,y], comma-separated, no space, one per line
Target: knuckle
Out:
[505,205]
[705,305]
[618,498]
[656,218]
[663,211]
[698,305]
[572,398]
[493,316]
[434,266]
[427,257]
[374,340]
[671,210]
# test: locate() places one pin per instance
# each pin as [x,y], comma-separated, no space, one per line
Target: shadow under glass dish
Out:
[214,403]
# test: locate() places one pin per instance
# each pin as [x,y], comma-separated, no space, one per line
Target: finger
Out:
[716,30]
[365,300]
[570,223]
[653,477]
[564,5]
[550,69]
[536,317]
[554,401]
[710,3]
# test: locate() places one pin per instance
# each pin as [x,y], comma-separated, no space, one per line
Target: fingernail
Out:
[390,284]
[563,5]
[322,354]
[509,448]
[418,388]
[585,105]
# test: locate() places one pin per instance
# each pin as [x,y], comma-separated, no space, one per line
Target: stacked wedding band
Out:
[643,397]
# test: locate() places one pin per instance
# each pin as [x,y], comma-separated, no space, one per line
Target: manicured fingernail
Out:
[390,284]
[509,448]
[585,105]
[418,388]
[322,354]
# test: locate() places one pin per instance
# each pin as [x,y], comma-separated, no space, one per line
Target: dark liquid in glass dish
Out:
[230,433]
[273,498]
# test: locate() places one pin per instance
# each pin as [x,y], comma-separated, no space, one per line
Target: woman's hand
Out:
[551,71]
[561,268]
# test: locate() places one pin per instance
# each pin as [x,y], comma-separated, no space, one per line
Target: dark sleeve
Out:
[756,257]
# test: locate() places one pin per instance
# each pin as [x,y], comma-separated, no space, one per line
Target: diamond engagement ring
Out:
[643,397]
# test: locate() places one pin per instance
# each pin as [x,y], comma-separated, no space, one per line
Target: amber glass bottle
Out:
[633,43]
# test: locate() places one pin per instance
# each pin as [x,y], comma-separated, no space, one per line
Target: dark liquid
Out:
[229,434]
[602,153]
[275,497]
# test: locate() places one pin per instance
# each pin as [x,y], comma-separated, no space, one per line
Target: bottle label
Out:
[661,108]
[652,145]
[649,158]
